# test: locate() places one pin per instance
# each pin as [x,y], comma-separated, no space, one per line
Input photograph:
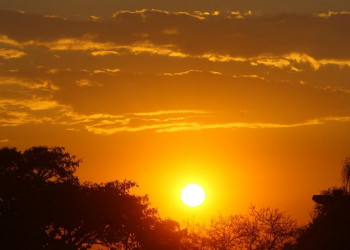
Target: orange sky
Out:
[252,105]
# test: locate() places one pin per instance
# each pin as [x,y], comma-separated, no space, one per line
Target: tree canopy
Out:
[263,228]
[329,227]
[44,206]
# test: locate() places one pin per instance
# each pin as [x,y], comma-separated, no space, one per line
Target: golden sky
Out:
[250,101]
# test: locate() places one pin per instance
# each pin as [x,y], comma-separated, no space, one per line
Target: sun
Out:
[192,195]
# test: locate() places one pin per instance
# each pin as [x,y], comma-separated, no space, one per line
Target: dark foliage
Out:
[345,173]
[43,206]
[263,228]
[329,228]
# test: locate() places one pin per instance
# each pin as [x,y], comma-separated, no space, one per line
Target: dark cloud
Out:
[252,36]
[249,71]
[105,8]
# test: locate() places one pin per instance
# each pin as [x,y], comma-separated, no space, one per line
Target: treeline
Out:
[44,206]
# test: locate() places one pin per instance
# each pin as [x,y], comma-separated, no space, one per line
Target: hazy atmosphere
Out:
[248,99]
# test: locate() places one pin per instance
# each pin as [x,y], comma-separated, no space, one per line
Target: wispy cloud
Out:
[105,53]
[235,125]
[332,13]
[17,118]
[174,48]
[174,28]
[11,53]
[181,73]
[34,104]
[165,77]
[4,39]
[107,129]
[196,14]
[171,112]
[28,83]
[277,61]
[87,83]
[14,112]
[254,76]
[107,70]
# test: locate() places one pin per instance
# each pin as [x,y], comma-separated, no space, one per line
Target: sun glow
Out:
[192,195]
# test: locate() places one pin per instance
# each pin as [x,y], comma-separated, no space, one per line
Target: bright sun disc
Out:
[192,195]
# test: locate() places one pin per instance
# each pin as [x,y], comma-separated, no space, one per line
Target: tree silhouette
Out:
[43,206]
[262,229]
[329,228]
[345,173]
[226,233]
[26,179]
[195,237]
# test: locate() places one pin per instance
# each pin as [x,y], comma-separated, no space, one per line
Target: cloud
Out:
[332,13]
[196,14]
[253,76]
[4,39]
[293,59]
[281,61]
[77,44]
[273,62]
[110,128]
[35,104]
[94,18]
[82,9]
[87,83]
[200,33]
[28,83]
[102,49]
[108,76]
[181,73]
[107,124]
[236,125]
[171,31]
[171,112]
[104,53]
[212,37]
[108,48]
[73,129]
[11,53]
[4,140]
[103,130]
[54,16]
[107,70]
[16,112]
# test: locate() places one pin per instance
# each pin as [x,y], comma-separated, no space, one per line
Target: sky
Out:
[250,99]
